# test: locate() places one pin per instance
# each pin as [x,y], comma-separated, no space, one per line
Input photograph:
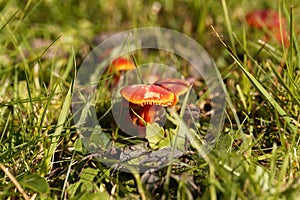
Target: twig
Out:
[15,182]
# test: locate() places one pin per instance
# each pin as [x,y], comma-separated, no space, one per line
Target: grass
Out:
[42,45]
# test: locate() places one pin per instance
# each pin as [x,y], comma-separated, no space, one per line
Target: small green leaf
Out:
[89,174]
[35,182]
[72,189]
[86,182]
[78,145]
[99,138]
[155,136]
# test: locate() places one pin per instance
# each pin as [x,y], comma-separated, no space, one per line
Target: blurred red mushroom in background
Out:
[146,101]
[270,19]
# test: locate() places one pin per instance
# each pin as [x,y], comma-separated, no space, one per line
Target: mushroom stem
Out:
[148,113]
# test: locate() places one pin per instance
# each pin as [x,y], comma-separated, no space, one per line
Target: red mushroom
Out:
[118,66]
[270,20]
[121,64]
[175,85]
[147,100]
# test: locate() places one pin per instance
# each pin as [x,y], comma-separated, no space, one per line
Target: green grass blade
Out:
[11,18]
[281,81]
[61,120]
[228,24]
[260,87]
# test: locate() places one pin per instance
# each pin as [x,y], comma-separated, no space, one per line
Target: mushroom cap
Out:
[271,20]
[175,85]
[265,18]
[121,64]
[142,95]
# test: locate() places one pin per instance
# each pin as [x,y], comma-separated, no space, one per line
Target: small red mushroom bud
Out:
[119,66]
